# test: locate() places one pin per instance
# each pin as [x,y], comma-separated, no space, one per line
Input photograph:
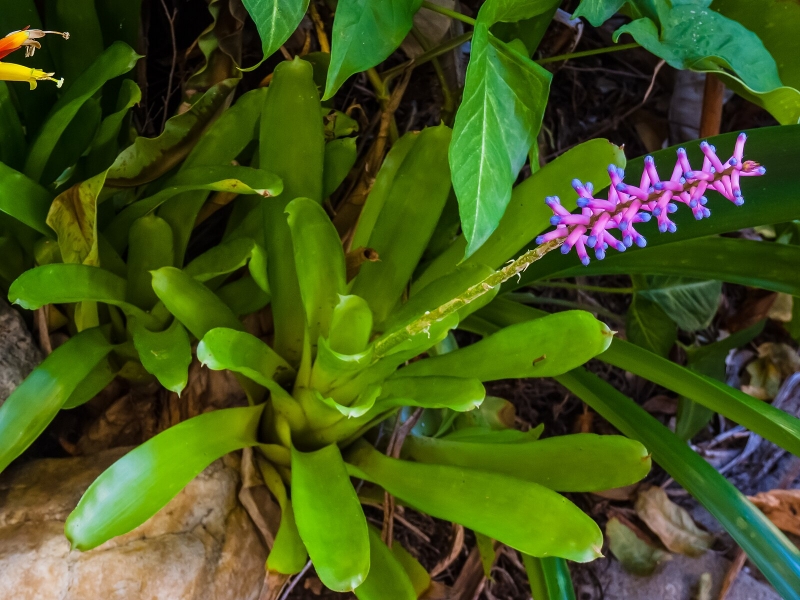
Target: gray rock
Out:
[19,353]
[201,546]
[677,579]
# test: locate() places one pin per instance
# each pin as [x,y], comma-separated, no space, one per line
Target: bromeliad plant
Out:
[356,351]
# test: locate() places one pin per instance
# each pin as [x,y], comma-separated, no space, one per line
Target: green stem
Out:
[448,13]
[561,57]
[585,288]
[428,56]
[385,344]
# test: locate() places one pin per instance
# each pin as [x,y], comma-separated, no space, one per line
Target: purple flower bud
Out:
[555,220]
[672,207]
[591,241]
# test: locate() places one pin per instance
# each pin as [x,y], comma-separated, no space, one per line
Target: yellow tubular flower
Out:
[12,72]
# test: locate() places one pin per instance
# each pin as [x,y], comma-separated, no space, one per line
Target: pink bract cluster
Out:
[628,205]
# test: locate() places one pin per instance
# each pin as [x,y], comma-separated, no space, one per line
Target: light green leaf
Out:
[165,354]
[511,11]
[387,578]
[365,33]
[597,12]
[275,20]
[498,121]
[143,481]
[73,216]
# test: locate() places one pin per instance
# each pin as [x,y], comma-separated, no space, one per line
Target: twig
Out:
[711,118]
[319,26]
[171,21]
[44,331]
[396,441]
[295,581]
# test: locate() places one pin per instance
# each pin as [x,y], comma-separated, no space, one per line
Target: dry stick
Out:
[399,435]
[347,214]
[324,45]
[44,331]
[732,574]
[711,118]
[171,20]
[517,267]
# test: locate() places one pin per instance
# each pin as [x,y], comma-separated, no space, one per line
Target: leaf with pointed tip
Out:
[275,20]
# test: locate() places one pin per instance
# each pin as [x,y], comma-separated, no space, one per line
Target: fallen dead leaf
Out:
[781,309]
[621,493]
[775,363]
[782,507]
[671,523]
[755,308]
[636,555]
[704,587]
[663,404]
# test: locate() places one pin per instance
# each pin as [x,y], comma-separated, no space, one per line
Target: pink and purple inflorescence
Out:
[628,205]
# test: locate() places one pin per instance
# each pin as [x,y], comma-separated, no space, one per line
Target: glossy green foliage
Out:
[320,264]
[276,20]
[387,579]
[570,463]
[192,303]
[549,578]
[351,326]
[24,199]
[527,214]
[117,60]
[540,348]
[143,481]
[690,303]
[340,157]
[229,257]
[365,33]
[33,404]
[292,145]
[150,247]
[774,555]
[404,226]
[648,326]
[165,354]
[504,99]
[288,553]
[329,518]
[524,515]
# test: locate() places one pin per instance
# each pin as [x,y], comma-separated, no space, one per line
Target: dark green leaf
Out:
[165,354]
[12,134]
[597,12]
[340,156]
[143,481]
[24,199]
[150,247]
[504,98]
[104,146]
[691,303]
[365,33]
[79,18]
[647,325]
[276,20]
[549,578]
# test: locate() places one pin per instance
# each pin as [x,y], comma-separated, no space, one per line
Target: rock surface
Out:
[201,546]
[19,353]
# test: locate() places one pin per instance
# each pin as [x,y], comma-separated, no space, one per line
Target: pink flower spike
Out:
[650,169]
[598,229]
[629,214]
[580,249]
[613,242]
[699,176]
[556,234]
[738,148]
[572,238]
[683,161]
[633,191]
[708,150]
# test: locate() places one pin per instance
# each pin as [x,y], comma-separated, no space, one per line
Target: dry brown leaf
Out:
[781,309]
[634,554]
[621,493]
[671,523]
[662,404]
[775,363]
[755,309]
[782,507]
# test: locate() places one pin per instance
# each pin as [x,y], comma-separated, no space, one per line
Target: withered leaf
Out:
[671,523]
[634,554]
[782,507]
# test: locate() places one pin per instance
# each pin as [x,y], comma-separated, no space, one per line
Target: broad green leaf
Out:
[340,156]
[149,158]
[33,404]
[419,576]
[97,379]
[221,45]
[406,222]
[387,578]
[708,360]
[235,179]
[329,518]
[291,145]
[165,354]
[117,60]
[530,31]
[79,18]
[320,263]
[73,216]
[12,134]
[648,326]
[774,555]
[24,199]
[523,515]
[351,326]
[570,463]
[220,144]
[228,257]
[697,38]
[775,23]
[527,214]
[597,12]
[504,98]
[275,20]
[143,481]
[549,578]
[541,348]
[62,165]
[768,200]
[150,247]
[61,283]
[365,33]
[381,188]
[192,303]
[243,296]
[691,303]
[120,20]
[288,554]
[104,146]
[456,393]
[511,11]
